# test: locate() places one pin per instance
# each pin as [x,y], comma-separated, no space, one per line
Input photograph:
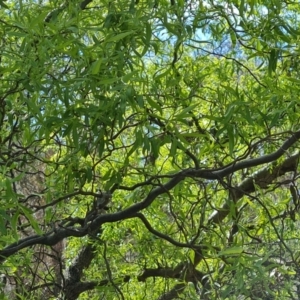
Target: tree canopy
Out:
[149,149]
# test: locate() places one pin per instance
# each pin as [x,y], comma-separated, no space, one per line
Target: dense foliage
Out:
[149,149]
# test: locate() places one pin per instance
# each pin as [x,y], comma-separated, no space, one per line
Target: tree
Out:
[149,149]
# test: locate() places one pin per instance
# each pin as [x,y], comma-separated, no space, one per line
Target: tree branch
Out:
[56,235]
[55,12]
[262,178]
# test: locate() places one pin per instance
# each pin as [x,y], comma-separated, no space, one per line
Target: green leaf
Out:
[95,67]
[273,60]
[128,76]
[174,145]
[14,222]
[232,251]
[3,4]
[155,104]
[233,38]
[89,174]
[231,137]
[185,112]
[161,75]
[29,215]
[118,37]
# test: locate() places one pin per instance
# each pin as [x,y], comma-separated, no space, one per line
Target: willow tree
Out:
[148,149]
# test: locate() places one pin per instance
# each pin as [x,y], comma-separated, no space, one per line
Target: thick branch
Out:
[174,293]
[161,272]
[56,235]
[244,164]
[262,179]
[54,13]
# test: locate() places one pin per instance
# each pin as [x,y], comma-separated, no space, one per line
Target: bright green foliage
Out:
[184,115]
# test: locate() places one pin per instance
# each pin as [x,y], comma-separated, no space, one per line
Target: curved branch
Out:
[49,239]
[161,272]
[54,13]
[248,163]
[164,236]
[55,236]
[261,178]
[174,293]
